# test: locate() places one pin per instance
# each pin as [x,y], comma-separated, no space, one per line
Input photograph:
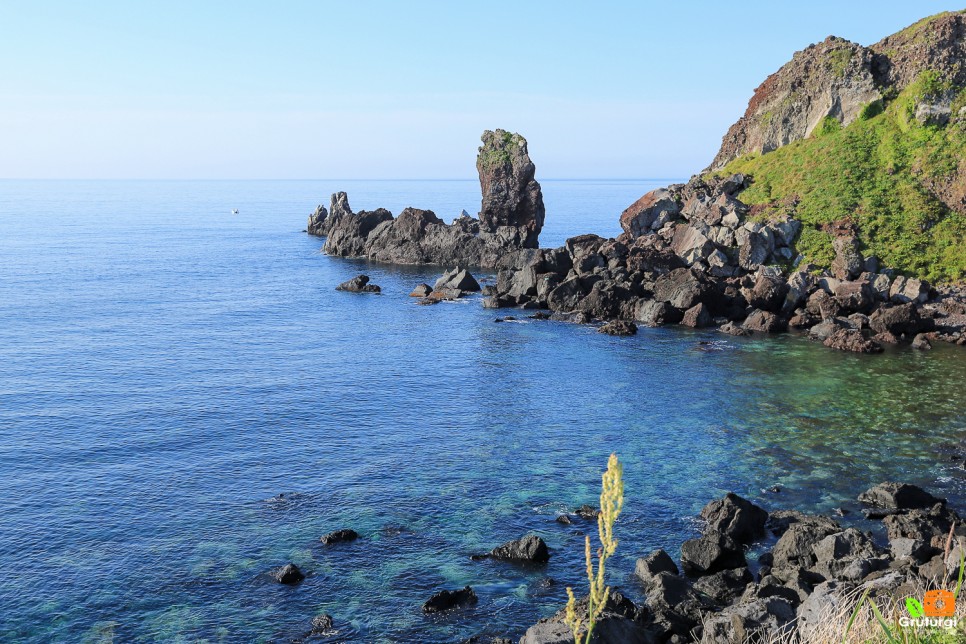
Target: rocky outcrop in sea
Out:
[510,219]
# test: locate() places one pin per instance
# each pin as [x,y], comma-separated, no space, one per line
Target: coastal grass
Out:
[611,503]
[881,173]
[857,620]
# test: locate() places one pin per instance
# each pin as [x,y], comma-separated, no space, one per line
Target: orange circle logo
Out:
[939,603]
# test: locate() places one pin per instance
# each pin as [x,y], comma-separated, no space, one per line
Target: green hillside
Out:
[901,182]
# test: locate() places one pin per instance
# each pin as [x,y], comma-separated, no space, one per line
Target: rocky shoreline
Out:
[810,568]
[692,254]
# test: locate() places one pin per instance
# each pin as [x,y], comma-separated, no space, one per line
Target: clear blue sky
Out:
[354,89]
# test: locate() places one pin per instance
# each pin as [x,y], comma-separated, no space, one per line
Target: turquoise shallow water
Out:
[166,369]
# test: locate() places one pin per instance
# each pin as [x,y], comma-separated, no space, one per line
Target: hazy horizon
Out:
[176,91]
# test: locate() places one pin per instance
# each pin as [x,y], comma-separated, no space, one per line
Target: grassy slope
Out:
[872,173]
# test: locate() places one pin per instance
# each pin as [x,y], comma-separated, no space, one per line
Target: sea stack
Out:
[510,220]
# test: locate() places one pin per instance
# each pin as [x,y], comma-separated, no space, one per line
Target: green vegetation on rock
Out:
[886,173]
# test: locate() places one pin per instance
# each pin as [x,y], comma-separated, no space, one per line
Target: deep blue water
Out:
[166,369]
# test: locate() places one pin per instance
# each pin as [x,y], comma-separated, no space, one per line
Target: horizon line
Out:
[669,179]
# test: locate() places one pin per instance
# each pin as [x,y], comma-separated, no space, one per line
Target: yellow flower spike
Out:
[611,504]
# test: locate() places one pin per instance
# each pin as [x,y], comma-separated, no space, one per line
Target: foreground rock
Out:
[511,218]
[815,570]
[358,284]
[449,599]
[621,621]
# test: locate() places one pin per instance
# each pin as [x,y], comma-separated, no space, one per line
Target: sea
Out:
[186,403]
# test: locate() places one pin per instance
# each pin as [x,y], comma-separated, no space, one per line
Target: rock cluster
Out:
[814,565]
[510,219]
[695,254]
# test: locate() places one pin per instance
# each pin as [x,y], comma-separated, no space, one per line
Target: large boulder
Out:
[899,320]
[898,496]
[649,567]
[760,620]
[682,288]
[457,278]
[852,340]
[511,196]
[848,555]
[711,553]
[339,536]
[795,547]
[649,213]
[735,517]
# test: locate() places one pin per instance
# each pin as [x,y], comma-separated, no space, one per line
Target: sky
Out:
[393,90]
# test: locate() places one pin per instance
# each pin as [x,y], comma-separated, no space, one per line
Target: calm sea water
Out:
[167,369]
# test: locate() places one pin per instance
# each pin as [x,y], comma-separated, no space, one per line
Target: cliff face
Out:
[870,139]
[837,78]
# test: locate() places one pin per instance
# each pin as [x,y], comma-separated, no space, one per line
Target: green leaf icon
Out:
[914,606]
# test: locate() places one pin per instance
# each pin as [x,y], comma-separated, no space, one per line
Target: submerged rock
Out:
[339,536]
[450,599]
[288,574]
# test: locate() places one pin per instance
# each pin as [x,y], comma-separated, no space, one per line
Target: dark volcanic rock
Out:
[711,553]
[512,200]
[851,340]
[618,327]
[449,599]
[621,621]
[288,574]
[339,536]
[697,317]
[316,224]
[358,284]
[423,290]
[682,288]
[735,517]
[512,217]
[763,322]
[322,624]
[900,496]
[528,549]
[901,319]
[651,566]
